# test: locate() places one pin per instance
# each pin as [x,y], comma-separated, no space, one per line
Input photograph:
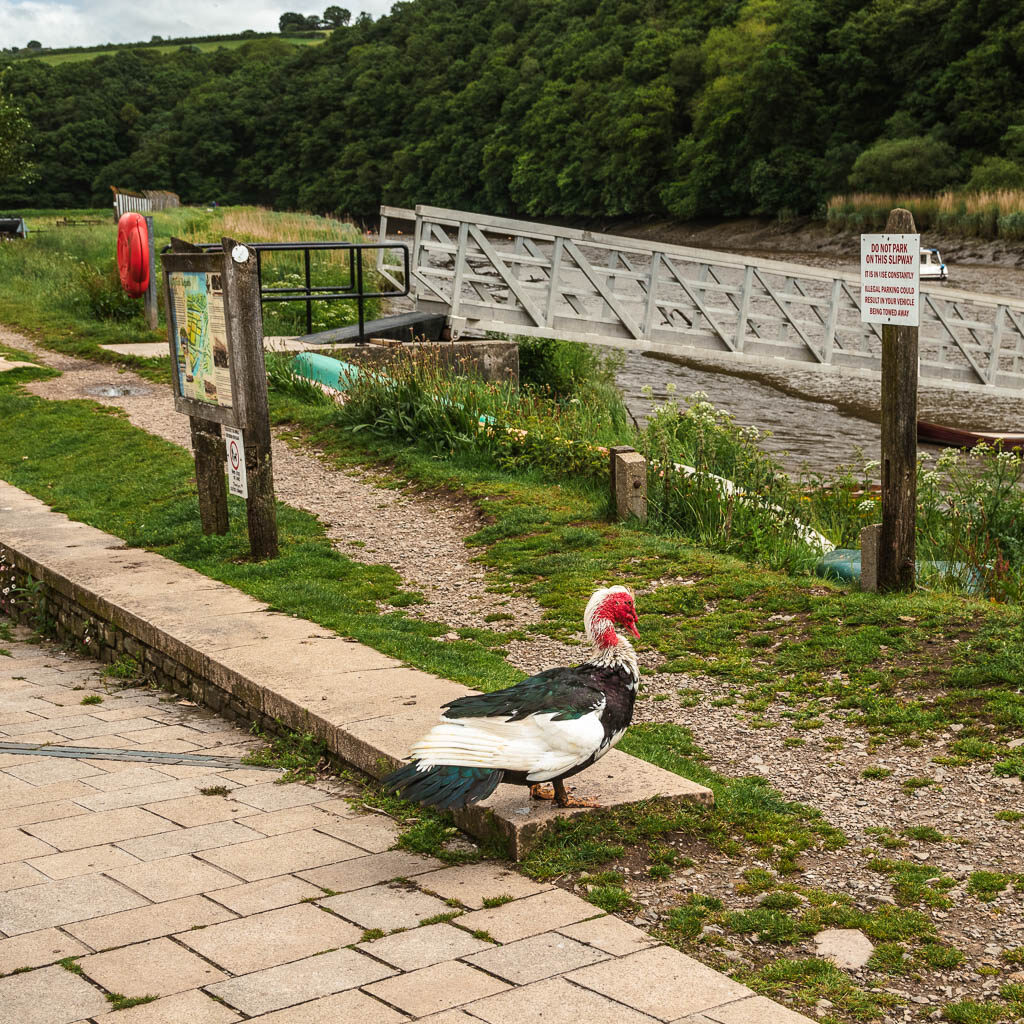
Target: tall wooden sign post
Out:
[890,295]
[215,332]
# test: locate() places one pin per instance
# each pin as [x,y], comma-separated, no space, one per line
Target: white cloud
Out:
[89,22]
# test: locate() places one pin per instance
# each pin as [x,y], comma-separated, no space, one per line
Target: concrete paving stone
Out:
[471,884]
[754,1009]
[281,855]
[424,947]
[432,989]
[341,1008]
[188,771]
[193,1007]
[127,709]
[272,797]
[609,934]
[275,937]
[15,793]
[554,1001]
[160,736]
[148,922]
[97,727]
[382,867]
[316,976]
[190,811]
[661,982]
[95,829]
[63,902]
[172,878]
[167,746]
[17,717]
[130,777]
[17,875]
[535,958]
[532,915]
[290,819]
[36,737]
[238,750]
[189,840]
[35,949]
[369,831]
[53,769]
[16,845]
[54,712]
[82,862]
[155,968]
[103,741]
[266,894]
[386,906]
[139,796]
[49,996]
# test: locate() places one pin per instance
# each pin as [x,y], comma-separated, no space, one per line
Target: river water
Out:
[815,420]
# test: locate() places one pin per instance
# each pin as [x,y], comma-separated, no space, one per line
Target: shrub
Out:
[101,291]
[894,165]
[995,172]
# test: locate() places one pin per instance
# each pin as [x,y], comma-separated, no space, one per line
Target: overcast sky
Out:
[87,22]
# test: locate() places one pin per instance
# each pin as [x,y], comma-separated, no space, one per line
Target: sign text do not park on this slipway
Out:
[890,279]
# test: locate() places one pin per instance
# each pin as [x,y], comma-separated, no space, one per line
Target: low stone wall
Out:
[59,616]
[492,360]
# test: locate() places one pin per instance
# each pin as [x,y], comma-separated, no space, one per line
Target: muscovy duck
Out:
[541,730]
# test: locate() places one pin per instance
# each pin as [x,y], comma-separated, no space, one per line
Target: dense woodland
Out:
[550,108]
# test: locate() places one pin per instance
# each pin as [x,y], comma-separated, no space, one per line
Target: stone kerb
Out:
[224,649]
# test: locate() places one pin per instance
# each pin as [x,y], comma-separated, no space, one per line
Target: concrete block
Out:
[630,482]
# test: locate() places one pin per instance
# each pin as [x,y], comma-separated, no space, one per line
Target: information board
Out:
[200,337]
[890,279]
[204,365]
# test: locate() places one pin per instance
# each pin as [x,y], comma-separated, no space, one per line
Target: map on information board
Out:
[200,337]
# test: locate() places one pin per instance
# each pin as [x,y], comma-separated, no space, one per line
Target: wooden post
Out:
[149,301]
[241,286]
[897,544]
[213,493]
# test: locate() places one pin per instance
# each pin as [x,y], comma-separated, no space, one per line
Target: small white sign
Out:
[239,253]
[890,279]
[237,482]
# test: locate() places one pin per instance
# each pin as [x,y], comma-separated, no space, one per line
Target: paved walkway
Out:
[231,898]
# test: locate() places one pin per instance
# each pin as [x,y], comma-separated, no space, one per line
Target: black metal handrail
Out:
[309,292]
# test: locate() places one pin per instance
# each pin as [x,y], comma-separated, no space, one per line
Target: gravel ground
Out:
[423,539]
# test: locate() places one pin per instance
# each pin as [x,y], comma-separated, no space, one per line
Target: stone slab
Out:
[426,946]
[49,996]
[280,855]
[192,1007]
[386,906]
[159,967]
[227,637]
[755,1008]
[272,938]
[266,894]
[471,884]
[432,989]
[554,1001]
[661,982]
[337,1009]
[63,903]
[148,922]
[530,916]
[35,949]
[311,978]
[536,958]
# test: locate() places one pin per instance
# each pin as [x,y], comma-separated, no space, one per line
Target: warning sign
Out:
[890,279]
[237,482]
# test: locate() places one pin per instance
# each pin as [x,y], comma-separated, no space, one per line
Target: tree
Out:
[337,17]
[290,21]
[15,144]
[34,44]
[994,173]
[917,164]
[312,21]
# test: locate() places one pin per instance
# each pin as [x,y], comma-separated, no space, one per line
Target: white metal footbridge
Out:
[515,277]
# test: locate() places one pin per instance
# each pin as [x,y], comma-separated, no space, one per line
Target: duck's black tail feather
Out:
[443,785]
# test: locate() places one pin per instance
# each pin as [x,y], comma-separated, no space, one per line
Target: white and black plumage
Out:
[541,730]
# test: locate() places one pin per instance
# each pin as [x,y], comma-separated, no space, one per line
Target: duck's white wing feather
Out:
[539,745]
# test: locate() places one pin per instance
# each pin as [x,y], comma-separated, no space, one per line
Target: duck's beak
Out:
[631,626]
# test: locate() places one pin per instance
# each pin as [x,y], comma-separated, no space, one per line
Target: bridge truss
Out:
[514,277]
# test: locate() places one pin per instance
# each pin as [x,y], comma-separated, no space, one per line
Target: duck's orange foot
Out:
[564,799]
[542,791]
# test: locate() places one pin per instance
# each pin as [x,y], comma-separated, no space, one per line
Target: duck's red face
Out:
[619,608]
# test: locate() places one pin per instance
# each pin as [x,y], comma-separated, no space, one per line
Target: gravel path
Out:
[423,539]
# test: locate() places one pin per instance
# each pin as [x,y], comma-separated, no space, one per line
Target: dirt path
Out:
[424,541]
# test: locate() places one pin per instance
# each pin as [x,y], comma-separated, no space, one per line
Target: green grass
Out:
[120,1002]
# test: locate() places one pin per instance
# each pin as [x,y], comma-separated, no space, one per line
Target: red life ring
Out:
[133,253]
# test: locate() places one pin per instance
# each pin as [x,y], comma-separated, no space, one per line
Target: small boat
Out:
[932,267]
[954,437]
